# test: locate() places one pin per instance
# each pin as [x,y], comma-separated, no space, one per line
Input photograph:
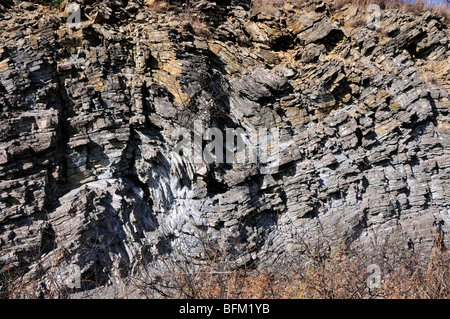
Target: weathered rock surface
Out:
[90,115]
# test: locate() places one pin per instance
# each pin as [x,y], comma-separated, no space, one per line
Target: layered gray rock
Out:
[90,120]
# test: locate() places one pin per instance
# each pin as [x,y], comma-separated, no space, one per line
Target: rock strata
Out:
[90,118]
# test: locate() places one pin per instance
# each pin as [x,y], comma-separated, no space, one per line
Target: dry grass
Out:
[325,274]
[341,274]
[199,26]
[184,13]
[267,6]
[271,7]
[385,4]
[160,6]
[358,22]
[415,6]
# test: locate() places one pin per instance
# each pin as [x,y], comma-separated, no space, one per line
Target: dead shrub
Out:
[322,273]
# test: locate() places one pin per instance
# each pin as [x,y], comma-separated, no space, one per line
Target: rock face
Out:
[90,118]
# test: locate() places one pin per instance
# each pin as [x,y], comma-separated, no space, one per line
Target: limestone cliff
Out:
[90,115]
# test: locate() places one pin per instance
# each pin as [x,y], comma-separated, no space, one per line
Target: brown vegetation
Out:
[321,273]
[415,7]
[440,8]
[341,274]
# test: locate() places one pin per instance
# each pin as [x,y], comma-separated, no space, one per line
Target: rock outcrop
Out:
[90,117]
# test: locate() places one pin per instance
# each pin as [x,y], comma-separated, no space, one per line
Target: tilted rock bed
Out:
[90,115]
